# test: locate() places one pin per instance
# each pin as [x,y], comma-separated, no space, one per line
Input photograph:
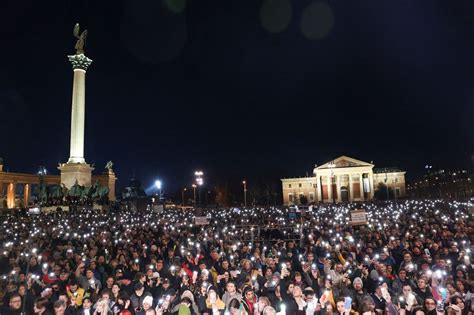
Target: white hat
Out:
[148,300]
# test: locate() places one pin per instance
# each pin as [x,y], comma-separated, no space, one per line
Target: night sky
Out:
[240,89]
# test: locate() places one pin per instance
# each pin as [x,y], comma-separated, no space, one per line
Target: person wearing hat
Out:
[147,303]
[358,293]
[138,296]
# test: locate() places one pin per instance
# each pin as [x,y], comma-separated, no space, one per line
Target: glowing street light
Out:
[158,186]
[200,182]
[245,193]
[194,190]
[182,194]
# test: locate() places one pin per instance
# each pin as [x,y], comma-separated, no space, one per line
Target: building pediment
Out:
[343,162]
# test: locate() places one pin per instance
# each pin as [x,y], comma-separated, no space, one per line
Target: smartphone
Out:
[347,302]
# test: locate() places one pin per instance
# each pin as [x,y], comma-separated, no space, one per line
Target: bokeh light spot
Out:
[275,15]
[317,20]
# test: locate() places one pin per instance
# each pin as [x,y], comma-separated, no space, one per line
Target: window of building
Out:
[289,185]
[299,184]
[290,197]
[311,197]
[397,191]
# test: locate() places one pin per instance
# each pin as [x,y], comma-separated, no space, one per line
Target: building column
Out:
[26,194]
[351,193]
[371,185]
[329,183]
[318,189]
[361,183]
[11,196]
[338,188]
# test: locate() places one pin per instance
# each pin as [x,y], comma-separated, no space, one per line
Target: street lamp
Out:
[245,193]
[182,194]
[200,182]
[194,190]
[158,186]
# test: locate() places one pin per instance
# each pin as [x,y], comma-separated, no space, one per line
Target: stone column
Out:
[338,188]
[76,169]
[11,196]
[26,194]
[351,193]
[361,183]
[371,185]
[318,188]
[80,63]
[329,183]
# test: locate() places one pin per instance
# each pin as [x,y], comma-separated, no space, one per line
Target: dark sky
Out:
[240,89]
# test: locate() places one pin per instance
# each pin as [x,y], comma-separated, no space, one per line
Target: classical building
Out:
[341,180]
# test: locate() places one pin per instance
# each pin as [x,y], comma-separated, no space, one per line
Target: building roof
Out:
[388,170]
[343,161]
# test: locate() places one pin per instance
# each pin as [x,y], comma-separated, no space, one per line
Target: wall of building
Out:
[299,186]
[394,180]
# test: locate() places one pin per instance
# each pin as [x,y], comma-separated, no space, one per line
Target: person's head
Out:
[59,307]
[430,304]
[40,305]
[147,303]
[289,287]
[407,258]
[269,311]
[406,290]
[297,292]
[234,306]
[263,302]
[340,303]
[422,283]
[109,282]
[248,294]
[86,303]
[15,302]
[230,287]
[402,274]
[89,274]
[298,277]
[357,284]
[339,268]
[457,300]
[115,289]
[107,295]
[418,310]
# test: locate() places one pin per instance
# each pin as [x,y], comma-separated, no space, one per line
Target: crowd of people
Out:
[412,257]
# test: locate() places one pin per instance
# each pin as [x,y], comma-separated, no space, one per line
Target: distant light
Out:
[158,184]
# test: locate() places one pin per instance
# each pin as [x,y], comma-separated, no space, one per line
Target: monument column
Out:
[76,169]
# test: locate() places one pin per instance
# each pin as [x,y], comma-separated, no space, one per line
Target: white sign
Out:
[358,217]
[201,220]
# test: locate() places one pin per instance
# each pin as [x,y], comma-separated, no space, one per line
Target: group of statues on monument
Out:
[59,195]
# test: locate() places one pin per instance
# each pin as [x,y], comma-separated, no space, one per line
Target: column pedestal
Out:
[80,172]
